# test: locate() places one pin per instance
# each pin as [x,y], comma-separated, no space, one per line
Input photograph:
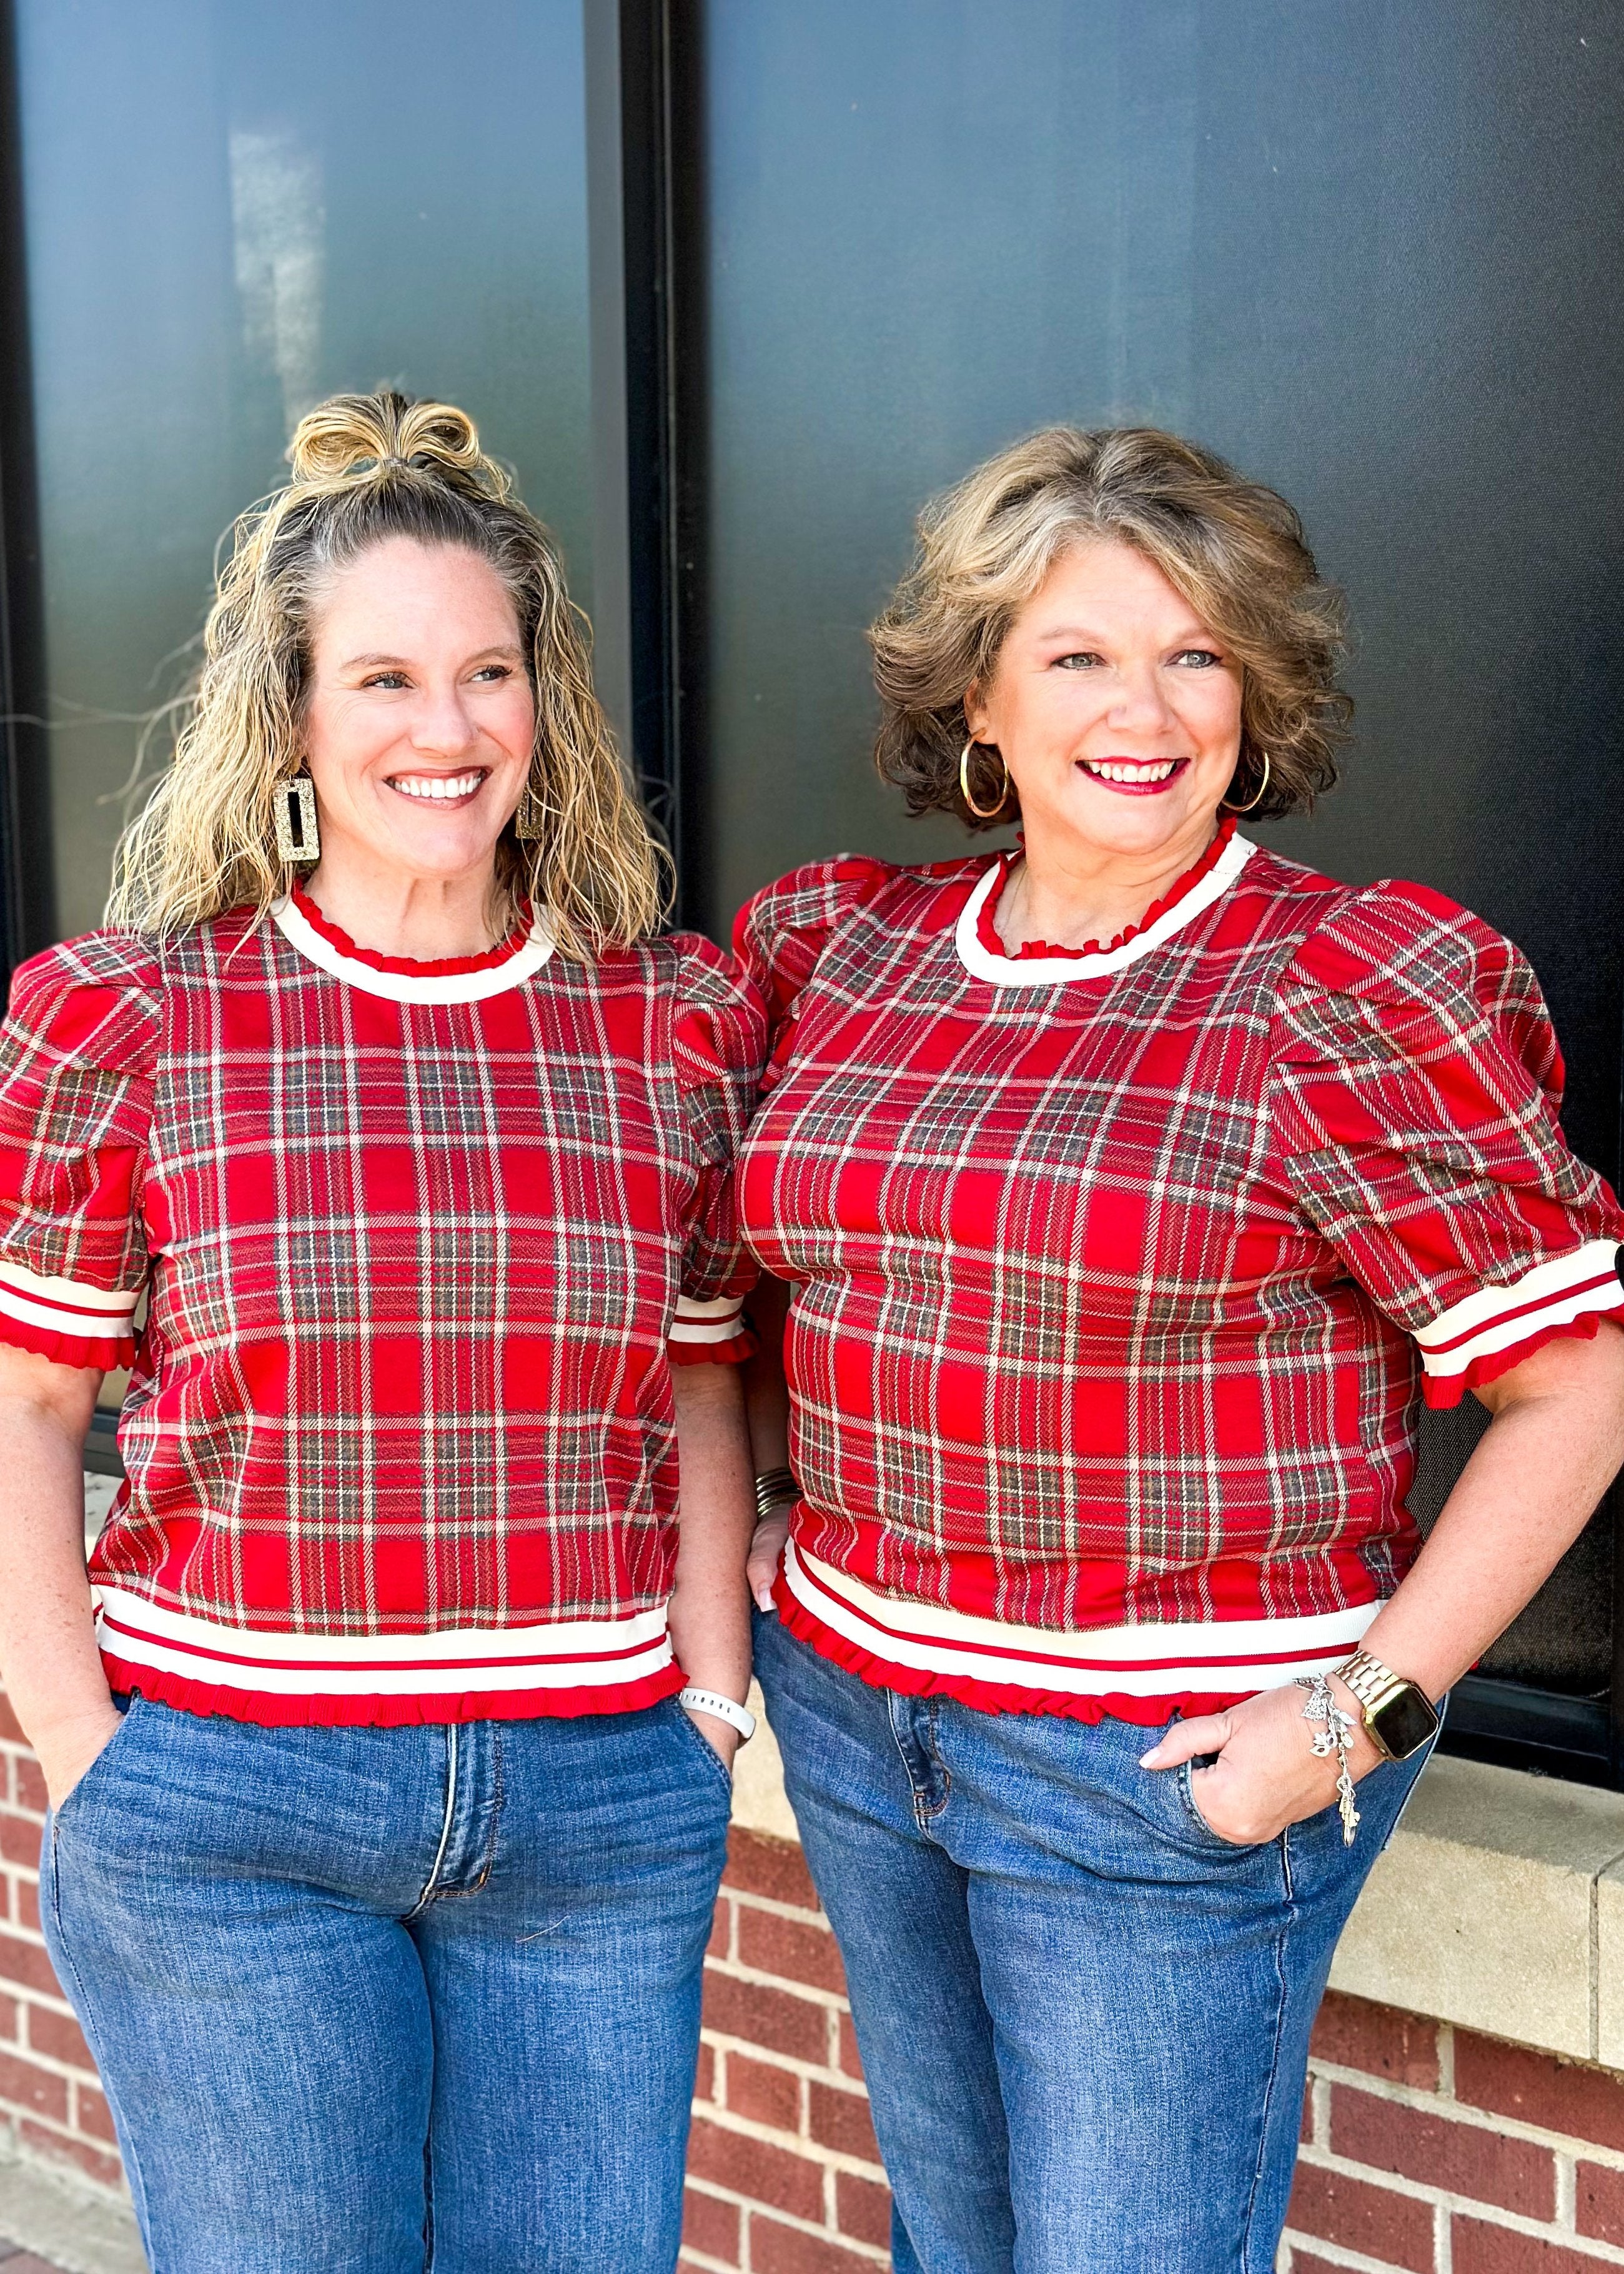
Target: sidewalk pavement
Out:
[49,2225]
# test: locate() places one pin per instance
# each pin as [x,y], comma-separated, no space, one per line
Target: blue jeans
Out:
[371,2000]
[1083,2017]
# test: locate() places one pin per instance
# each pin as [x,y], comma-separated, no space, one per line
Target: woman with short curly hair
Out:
[387,1741]
[1129,1186]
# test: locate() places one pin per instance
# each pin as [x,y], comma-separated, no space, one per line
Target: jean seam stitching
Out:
[1271,2089]
[920,1810]
[126,2144]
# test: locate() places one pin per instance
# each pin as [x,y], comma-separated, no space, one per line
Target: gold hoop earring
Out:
[1257,798]
[982,813]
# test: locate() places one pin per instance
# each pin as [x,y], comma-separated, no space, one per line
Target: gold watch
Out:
[1400,1719]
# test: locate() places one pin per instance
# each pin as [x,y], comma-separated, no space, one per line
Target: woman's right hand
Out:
[766,1553]
[67,1751]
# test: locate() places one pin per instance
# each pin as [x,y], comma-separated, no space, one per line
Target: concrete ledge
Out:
[759,1802]
[1487,1910]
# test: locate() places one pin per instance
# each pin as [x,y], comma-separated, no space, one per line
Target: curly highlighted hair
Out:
[1233,548]
[367,468]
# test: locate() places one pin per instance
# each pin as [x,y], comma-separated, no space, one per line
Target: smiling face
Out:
[419,716]
[1116,711]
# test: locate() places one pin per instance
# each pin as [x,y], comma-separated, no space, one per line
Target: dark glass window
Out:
[1361,250]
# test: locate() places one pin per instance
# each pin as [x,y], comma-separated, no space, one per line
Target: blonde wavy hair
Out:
[1233,548]
[367,468]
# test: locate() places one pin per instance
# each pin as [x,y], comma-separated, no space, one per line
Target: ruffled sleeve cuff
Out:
[67,1321]
[711,1333]
[1476,1340]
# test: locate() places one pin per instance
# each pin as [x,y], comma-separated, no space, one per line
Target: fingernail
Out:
[1148,1760]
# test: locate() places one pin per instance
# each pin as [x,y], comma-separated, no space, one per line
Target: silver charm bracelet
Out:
[1331,1737]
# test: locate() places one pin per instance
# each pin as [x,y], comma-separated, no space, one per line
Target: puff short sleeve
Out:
[1416,1084]
[78,1058]
[718,1041]
[781,933]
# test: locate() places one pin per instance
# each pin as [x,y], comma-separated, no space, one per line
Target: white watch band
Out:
[711,1701]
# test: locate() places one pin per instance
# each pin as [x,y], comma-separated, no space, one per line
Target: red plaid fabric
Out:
[1115,1271]
[412,1241]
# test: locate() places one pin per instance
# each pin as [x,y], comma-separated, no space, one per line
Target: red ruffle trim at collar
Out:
[987,929]
[451,966]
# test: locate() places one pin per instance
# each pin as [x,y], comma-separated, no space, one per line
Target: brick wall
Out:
[1434,2150]
[51,2105]
[1426,2150]
[783,2176]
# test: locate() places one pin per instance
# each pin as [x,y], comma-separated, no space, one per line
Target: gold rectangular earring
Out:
[299,838]
[530,818]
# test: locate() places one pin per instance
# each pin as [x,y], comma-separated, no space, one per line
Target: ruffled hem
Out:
[1444,1391]
[320,1713]
[94,1353]
[991,1696]
[734,1352]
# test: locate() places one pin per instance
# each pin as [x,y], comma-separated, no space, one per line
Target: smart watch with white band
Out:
[711,1701]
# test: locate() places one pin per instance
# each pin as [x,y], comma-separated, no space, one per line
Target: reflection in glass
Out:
[231,213]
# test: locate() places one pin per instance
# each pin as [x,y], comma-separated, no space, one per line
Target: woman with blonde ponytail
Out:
[388,1734]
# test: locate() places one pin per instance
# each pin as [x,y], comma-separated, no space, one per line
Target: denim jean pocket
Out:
[99,1770]
[1186,1793]
[696,1737]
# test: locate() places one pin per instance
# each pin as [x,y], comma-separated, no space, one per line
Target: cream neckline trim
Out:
[406,986]
[1045,970]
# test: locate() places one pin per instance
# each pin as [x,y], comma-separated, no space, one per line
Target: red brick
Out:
[20,1839]
[1464,2159]
[11,1728]
[764,2094]
[25,1964]
[24,2085]
[863,2208]
[11,2019]
[850,2062]
[1356,2034]
[776,2019]
[774,1944]
[756,2168]
[763,1865]
[1305,2129]
[28,1903]
[91,2114]
[30,1785]
[1360,2217]
[1599,2202]
[704,2075]
[841,2121]
[105,2169]
[1302,2263]
[710,2226]
[782,2250]
[1477,2248]
[1587,2103]
[26,2261]
[59,2037]
[721,1942]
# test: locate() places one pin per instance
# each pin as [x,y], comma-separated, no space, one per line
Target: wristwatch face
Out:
[1405,1722]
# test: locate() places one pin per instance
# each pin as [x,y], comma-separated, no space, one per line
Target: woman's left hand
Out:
[721,1737]
[1266,1776]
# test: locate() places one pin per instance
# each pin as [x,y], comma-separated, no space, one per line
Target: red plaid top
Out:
[412,1239]
[1115,1271]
